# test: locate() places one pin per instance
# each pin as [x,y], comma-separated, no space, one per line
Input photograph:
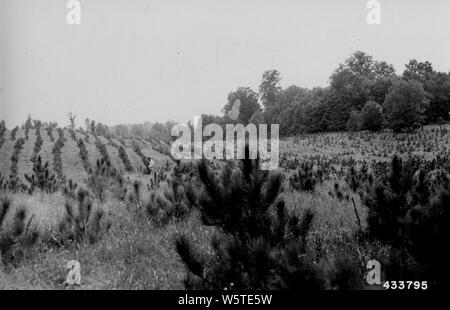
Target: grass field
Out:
[139,253]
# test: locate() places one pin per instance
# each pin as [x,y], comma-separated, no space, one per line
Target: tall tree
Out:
[405,105]
[416,70]
[269,88]
[437,88]
[248,104]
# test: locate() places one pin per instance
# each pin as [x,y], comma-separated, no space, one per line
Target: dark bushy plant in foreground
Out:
[409,210]
[171,200]
[358,179]
[260,245]
[16,239]
[70,189]
[82,223]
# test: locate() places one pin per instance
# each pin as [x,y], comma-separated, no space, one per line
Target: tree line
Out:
[363,94]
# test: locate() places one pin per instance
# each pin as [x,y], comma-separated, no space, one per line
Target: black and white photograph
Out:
[197,146]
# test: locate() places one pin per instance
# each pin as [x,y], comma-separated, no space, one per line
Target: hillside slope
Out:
[72,165]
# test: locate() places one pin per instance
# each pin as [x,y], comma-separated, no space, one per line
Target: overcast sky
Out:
[135,60]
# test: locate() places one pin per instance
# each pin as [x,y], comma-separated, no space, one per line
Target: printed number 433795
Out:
[405,285]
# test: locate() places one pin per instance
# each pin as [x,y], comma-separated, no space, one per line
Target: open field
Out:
[135,243]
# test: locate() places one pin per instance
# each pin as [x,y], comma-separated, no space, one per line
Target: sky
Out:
[131,61]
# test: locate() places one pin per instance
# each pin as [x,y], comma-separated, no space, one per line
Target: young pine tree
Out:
[260,245]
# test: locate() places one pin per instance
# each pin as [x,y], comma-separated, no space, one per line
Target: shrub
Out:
[261,245]
[408,209]
[3,182]
[2,128]
[358,179]
[83,223]
[70,189]
[354,121]
[14,182]
[28,126]
[38,144]
[137,149]
[41,178]
[102,149]
[18,239]
[85,134]
[99,178]
[305,178]
[14,132]
[387,202]
[124,157]
[372,116]
[49,130]
[57,162]
[84,155]
[2,133]
[170,201]
[73,135]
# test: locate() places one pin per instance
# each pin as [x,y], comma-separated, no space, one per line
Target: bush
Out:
[124,157]
[14,181]
[70,189]
[354,121]
[73,135]
[28,126]
[137,149]
[305,178]
[171,200]
[3,182]
[83,223]
[57,162]
[2,133]
[102,149]
[408,209]
[84,155]
[49,130]
[358,179]
[38,144]
[260,245]
[41,178]
[14,132]
[17,239]
[2,128]
[99,178]
[372,116]
[122,154]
